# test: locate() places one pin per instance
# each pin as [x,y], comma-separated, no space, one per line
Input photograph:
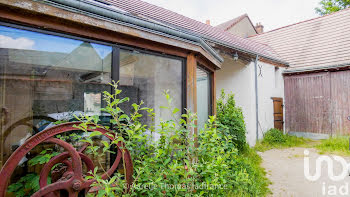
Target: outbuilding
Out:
[317,85]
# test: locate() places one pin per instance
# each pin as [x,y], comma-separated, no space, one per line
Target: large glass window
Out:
[145,77]
[44,78]
[203,97]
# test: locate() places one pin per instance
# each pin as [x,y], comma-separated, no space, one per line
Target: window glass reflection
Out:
[44,78]
[145,77]
[203,97]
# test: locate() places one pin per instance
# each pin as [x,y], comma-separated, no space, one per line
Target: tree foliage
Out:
[330,6]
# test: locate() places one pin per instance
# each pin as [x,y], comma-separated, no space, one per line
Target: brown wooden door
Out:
[278,113]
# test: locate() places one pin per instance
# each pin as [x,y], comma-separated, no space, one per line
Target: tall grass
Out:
[258,183]
[275,138]
[336,145]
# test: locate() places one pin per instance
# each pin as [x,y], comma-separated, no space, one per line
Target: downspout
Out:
[256,97]
[91,9]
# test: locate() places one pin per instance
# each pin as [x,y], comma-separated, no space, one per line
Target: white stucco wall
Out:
[270,84]
[238,77]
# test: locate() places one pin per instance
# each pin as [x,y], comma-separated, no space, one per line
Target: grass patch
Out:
[336,145]
[258,184]
[275,138]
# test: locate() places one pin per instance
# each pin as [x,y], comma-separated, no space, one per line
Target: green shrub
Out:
[231,116]
[275,138]
[250,177]
[176,164]
[209,167]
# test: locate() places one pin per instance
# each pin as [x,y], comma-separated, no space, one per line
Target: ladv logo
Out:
[329,162]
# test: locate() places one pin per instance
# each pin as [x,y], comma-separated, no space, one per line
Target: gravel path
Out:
[285,169]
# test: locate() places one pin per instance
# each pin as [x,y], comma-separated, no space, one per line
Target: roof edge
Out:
[297,23]
[252,25]
[97,9]
[247,51]
[240,18]
[319,68]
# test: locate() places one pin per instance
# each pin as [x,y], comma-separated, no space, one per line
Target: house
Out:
[257,85]
[57,56]
[240,26]
[317,84]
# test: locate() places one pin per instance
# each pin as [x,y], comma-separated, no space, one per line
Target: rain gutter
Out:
[215,41]
[318,68]
[93,9]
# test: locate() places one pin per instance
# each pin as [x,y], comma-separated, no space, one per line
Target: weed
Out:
[275,138]
[257,181]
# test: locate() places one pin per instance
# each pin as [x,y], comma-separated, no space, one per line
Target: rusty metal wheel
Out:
[72,181]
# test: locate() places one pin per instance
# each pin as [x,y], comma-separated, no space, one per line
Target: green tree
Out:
[330,6]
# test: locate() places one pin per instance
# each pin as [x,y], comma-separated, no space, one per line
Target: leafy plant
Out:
[274,136]
[158,165]
[43,157]
[26,185]
[231,117]
[256,183]
[175,164]
[29,184]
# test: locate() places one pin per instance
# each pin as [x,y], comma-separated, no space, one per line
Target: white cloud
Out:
[18,43]
[271,13]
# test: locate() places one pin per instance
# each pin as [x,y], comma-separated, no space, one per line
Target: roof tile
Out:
[138,7]
[320,42]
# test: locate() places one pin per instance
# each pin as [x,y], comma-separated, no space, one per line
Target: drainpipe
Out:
[256,96]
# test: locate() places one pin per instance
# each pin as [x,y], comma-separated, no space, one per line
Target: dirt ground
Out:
[285,169]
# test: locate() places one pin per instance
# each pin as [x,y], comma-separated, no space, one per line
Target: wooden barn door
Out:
[278,113]
[308,103]
[318,102]
[340,102]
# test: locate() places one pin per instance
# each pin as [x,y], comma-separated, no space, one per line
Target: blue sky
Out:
[23,39]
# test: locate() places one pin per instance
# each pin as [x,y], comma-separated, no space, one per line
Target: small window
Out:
[277,76]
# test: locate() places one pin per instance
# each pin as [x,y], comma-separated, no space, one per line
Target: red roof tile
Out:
[144,9]
[316,43]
